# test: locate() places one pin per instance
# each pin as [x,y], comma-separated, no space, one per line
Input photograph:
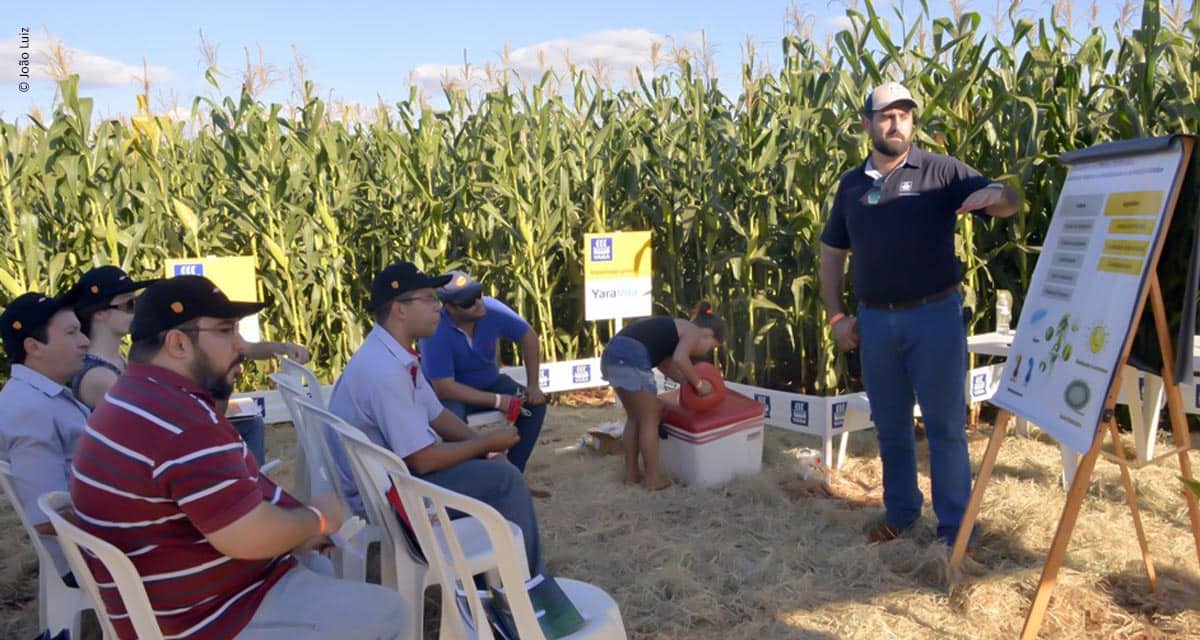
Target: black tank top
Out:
[91,362]
[658,334]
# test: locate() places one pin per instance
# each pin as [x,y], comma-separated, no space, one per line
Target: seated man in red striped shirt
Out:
[166,479]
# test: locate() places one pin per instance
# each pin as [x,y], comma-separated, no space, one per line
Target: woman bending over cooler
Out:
[670,345]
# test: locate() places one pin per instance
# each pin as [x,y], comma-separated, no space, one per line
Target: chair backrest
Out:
[307,378]
[45,560]
[75,542]
[370,464]
[321,448]
[428,505]
[292,392]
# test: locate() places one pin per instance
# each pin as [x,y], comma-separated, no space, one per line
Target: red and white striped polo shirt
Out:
[156,470]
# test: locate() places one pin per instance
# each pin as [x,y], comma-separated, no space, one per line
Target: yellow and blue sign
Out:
[617,275]
[235,276]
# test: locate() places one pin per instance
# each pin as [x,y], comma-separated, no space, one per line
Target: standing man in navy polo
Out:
[897,214]
[460,360]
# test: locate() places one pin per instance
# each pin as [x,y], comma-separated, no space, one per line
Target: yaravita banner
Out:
[617,275]
[1077,314]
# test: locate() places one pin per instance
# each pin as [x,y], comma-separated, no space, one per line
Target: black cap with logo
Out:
[169,303]
[100,285]
[25,315]
[461,288]
[399,278]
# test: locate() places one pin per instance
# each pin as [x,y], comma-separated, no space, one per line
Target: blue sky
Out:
[355,51]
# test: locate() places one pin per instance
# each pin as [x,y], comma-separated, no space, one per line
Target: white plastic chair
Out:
[306,378]
[75,542]
[291,390]
[316,471]
[428,503]
[59,605]
[403,566]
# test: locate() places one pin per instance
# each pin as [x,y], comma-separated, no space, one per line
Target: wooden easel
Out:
[1083,474]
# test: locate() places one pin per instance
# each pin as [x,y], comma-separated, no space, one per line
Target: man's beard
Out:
[215,382]
[891,147]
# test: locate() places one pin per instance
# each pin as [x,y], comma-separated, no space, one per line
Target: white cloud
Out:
[94,70]
[616,52]
[838,23]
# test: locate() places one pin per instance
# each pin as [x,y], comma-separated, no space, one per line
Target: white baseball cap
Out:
[886,95]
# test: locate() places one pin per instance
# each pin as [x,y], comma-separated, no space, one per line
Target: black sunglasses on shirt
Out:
[876,191]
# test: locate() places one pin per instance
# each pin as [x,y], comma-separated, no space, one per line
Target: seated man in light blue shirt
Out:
[40,419]
[460,360]
[383,392]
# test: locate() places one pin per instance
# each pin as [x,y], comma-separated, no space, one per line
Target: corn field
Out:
[505,182]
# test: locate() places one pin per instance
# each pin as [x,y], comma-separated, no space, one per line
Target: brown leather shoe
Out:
[880,531]
[539,493]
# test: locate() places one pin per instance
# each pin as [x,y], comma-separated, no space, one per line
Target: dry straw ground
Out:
[772,556]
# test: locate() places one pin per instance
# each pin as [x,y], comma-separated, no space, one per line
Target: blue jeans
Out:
[527,426]
[919,354]
[251,429]
[625,364]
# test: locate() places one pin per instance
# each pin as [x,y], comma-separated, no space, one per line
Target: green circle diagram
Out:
[1077,394]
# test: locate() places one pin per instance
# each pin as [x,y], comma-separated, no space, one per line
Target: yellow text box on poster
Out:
[1134,203]
[1132,227]
[1135,248]
[233,275]
[623,254]
[1122,266]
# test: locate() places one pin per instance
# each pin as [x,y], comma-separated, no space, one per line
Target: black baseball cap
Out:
[399,278]
[169,303]
[25,315]
[100,285]
[460,288]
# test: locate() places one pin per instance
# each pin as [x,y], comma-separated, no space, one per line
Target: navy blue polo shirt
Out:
[903,246]
[448,353]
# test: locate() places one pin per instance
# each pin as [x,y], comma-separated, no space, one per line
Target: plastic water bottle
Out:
[1003,311]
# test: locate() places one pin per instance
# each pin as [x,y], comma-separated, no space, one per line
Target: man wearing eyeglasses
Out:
[460,360]
[897,213]
[223,551]
[383,392]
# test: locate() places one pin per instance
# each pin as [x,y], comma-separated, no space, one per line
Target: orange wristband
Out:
[837,317]
[320,519]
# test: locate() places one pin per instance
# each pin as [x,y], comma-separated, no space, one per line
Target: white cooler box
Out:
[711,447]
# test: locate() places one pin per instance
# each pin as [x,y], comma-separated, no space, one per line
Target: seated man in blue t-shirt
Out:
[460,360]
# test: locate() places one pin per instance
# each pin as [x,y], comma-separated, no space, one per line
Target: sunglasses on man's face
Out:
[469,302]
[126,306]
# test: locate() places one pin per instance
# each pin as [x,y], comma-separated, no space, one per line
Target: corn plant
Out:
[734,182]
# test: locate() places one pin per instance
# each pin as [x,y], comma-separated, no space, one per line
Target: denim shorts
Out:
[626,365]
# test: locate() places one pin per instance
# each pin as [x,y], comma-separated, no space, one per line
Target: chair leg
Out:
[43,600]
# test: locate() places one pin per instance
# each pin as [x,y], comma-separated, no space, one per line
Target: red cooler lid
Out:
[734,408]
